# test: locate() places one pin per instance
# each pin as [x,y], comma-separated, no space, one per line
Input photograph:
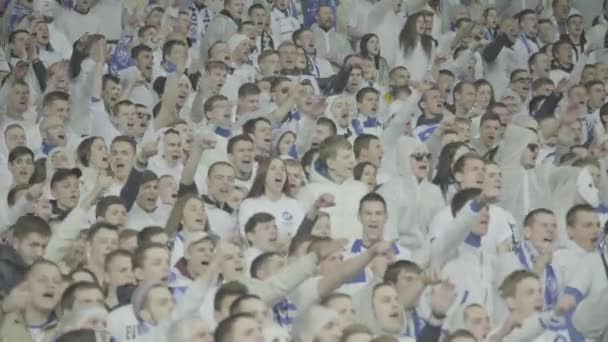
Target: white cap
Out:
[236,40]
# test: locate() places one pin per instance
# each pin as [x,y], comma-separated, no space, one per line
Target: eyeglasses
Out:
[533,147]
[420,156]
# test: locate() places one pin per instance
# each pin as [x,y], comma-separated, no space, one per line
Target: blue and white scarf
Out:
[527,258]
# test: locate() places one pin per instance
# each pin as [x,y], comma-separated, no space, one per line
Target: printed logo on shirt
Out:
[286,216]
[131,332]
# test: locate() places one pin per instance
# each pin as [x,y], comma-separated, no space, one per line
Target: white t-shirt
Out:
[122,324]
[287,212]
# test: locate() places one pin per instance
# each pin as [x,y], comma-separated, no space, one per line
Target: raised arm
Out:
[446,243]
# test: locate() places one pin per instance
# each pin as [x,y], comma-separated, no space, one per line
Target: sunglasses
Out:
[533,147]
[421,156]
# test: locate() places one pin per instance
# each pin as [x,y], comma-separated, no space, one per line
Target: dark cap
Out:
[61,174]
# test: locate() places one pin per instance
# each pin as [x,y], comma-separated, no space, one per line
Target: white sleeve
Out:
[590,316]
[454,235]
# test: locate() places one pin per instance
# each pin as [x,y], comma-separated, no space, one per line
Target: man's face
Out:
[167,189]
[472,174]
[585,231]
[542,232]
[575,25]
[262,136]
[287,57]
[102,244]
[369,104]
[432,102]
[86,298]
[400,78]
[477,322]
[31,247]
[233,265]
[306,40]
[121,159]
[321,133]
[375,152]
[215,79]
[325,17]
[61,109]
[264,236]
[247,329]
[220,53]
[173,148]
[541,66]
[561,9]
[67,192]
[148,195]
[53,131]
[111,92]
[372,216]
[21,41]
[528,297]
[343,164]
[125,118]
[159,305]
[258,17]
[220,182]
[241,53]
[242,156]
[116,214]
[467,96]
[22,169]
[387,310]
[235,8]
[145,62]
[529,24]
[270,65]
[344,307]
[529,156]
[492,181]
[155,266]
[19,99]
[198,256]
[249,103]
[14,137]
[120,271]
[490,132]
[44,283]
[597,96]
[178,54]
[257,309]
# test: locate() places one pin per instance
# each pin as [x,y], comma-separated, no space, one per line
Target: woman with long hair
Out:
[187,216]
[93,160]
[370,47]
[444,178]
[416,49]
[270,193]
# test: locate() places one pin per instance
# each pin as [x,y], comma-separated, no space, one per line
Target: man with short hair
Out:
[330,44]
[335,164]
[36,320]
[29,238]
[241,155]
[527,44]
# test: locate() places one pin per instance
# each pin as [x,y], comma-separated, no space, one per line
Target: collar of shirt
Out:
[225,207]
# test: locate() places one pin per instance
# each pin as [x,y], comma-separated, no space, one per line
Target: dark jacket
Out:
[12,269]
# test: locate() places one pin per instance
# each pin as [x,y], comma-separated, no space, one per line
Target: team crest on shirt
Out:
[286,216]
